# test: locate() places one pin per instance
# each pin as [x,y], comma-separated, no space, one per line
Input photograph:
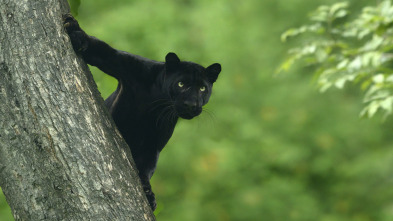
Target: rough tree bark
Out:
[61,157]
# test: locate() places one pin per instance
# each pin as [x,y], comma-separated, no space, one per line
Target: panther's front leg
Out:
[149,193]
[146,163]
[96,52]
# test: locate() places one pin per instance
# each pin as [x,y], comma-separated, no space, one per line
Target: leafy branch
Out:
[340,50]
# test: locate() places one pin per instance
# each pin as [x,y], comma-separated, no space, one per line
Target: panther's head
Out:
[189,85]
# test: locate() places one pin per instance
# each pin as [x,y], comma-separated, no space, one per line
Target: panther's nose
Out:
[191,104]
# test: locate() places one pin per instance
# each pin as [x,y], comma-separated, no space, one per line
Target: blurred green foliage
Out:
[343,50]
[270,146]
[74,6]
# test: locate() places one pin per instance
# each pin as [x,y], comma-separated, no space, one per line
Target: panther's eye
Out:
[203,88]
[180,84]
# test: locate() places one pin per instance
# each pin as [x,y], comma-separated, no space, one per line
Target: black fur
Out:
[149,98]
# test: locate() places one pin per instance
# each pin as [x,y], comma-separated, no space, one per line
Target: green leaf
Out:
[338,10]
[321,14]
[286,65]
[341,81]
[341,14]
[315,28]
[387,104]
[379,78]
[289,33]
[373,44]
[355,64]
[338,6]
[343,64]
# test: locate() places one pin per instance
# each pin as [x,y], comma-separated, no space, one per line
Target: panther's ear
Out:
[213,71]
[171,60]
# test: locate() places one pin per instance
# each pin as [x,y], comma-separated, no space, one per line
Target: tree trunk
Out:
[61,157]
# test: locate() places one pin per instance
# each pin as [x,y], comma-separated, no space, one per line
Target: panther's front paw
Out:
[150,197]
[78,37]
[70,23]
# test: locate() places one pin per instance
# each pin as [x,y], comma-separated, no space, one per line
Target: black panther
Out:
[150,96]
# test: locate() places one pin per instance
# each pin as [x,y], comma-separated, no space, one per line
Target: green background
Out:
[270,147]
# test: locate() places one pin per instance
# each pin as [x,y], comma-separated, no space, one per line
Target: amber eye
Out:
[180,84]
[203,88]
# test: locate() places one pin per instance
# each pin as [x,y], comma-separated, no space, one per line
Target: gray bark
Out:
[61,156]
